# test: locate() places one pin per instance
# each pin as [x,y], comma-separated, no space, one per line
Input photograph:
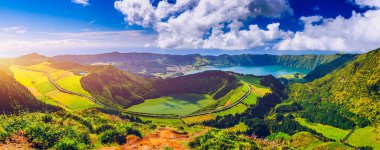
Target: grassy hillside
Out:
[113,86]
[39,85]
[326,68]
[355,87]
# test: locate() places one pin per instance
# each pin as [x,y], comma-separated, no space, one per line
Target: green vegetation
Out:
[239,128]
[279,135]
[63,130]
[314,115]
[44,90]
[354,87]
[305,140]
[326,68]
[253,80]
[362,137]
[118,88]
[222,140]
[181,104]
[16,98]
[325,130]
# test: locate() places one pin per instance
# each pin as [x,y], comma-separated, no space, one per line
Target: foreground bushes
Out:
[118,135]
[215,139]
[3,135]
[63,130]
[69,144]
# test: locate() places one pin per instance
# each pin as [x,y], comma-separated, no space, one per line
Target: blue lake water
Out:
[258,70]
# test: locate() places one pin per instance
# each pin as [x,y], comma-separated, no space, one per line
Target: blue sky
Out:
[94,26]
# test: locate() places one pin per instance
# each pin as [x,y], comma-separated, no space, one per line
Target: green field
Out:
[42,89]
[65,79]
[250,79]
[364,137]
[180,104]
[325,130]
[257,90]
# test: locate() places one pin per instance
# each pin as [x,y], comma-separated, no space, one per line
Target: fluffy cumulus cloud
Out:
[364,3]
[213,24]
[81,2]
[357,33]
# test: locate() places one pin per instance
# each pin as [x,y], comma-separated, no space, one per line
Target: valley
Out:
[241,102]
[182,104]
[190,75]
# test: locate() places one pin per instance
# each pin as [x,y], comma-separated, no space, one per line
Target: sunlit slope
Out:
[65,79]
[257,91]
[355,87]
[42,89]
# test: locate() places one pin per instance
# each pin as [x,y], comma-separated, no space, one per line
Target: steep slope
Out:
[112,85]
[355,87]
[15,97]
[326,68]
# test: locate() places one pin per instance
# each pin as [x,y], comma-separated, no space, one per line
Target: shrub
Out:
[16,124]
[47,118]
[111,136]
[103,128]
[133,131]
[152,126]
[222,140]
[3,134]
[69,144]
[42,136]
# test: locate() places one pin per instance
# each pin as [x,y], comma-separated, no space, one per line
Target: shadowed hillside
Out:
[15,97]
[126,89]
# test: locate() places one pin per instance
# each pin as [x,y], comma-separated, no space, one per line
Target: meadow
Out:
[42,89]
[365,137]
[326,130]
[180,104]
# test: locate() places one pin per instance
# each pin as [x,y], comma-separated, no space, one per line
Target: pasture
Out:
[42,89]
[325,130]
[180,104]
[365,137]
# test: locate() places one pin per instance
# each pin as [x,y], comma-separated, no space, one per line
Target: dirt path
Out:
[17,141]
[160,140]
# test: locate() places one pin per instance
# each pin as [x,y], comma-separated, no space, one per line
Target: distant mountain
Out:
[14,97]
[111,85]
[296,61]
[354,87]
[152,64]
[30,59]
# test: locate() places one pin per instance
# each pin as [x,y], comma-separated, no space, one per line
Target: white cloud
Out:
[81,2]
[311,19]
[200,23]
[358,33]
[371,3]
[18,30]
[77,41]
